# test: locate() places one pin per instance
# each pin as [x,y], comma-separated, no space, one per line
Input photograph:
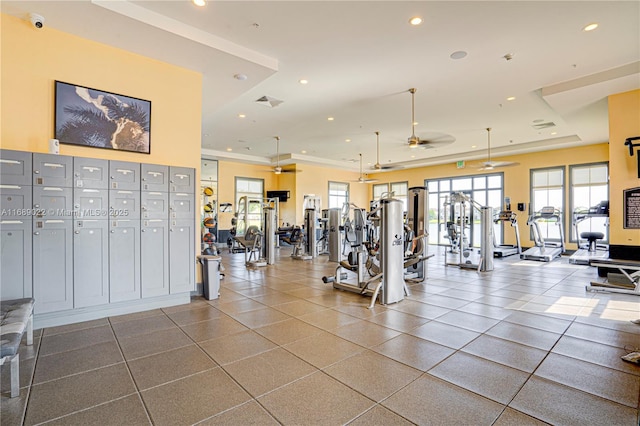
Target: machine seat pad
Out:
[14,317]
[347,265]
[592,235]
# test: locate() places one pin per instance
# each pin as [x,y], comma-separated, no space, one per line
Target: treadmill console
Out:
[602,208]
[548,211]
[505,215]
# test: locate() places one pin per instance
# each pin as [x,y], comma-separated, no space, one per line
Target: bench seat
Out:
[16,317]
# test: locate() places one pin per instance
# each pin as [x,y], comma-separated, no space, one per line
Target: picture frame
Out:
[100,119]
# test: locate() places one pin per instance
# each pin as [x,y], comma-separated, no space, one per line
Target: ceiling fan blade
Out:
[379,166]
[362,179]
[491,165]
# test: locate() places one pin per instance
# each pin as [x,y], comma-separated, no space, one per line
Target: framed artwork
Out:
[99,119]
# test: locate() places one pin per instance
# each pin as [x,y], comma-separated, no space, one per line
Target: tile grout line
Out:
[126,363]
[33,375]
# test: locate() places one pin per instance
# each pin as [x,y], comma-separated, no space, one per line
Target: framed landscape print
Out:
[99,119]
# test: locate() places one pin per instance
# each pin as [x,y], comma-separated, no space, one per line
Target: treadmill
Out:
[590,250]
[544,251]
[503,250]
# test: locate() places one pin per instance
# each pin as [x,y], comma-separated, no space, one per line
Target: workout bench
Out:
[16,317]
[625,280]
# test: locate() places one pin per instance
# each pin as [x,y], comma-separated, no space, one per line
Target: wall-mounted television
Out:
[282,196]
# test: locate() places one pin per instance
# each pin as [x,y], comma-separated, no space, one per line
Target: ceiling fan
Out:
[379,166]
[490,165]
[277,169]
[414,141]
[362,179]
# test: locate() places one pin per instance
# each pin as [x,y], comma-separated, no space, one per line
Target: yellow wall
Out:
[33,59]
[516,178]
[310,180]
[624,122]
[315,180]
[227,172]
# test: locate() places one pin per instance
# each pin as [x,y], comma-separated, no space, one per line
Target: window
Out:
[589,186]
[487,190]
[547,189]
[400,191]
[253,189]
[338,194]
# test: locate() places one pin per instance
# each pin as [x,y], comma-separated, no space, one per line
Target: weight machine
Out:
[590,250]
[461,210]
[416,251]
[544,251]
[382,258]
[257,242]
[305,240]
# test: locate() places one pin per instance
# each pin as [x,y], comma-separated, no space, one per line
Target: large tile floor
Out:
[524,344]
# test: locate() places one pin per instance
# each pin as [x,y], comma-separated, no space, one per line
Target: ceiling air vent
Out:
[268,101]
[541,126]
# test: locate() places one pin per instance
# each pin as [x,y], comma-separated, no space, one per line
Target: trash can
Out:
[210,276]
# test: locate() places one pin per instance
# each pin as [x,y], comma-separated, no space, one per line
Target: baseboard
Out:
[54,319]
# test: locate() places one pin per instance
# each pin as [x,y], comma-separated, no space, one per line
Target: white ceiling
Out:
[360,59]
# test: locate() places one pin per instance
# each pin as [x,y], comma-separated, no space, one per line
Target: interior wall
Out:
[227,172]
[315,180]
[624,122]
[310,180]
[516,178]
[32,59]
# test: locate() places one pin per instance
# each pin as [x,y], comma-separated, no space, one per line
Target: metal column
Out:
[417,219]
[392,251]
[269,236]
[486,235]
[335,238]
[310,225]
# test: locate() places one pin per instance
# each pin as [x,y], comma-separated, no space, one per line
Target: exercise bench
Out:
[16,317]
[624,278]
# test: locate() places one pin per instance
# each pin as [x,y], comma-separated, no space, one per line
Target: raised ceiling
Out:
[361,57]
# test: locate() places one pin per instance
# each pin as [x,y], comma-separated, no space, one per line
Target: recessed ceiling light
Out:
[241,116]
[241,77]
[229,149]
[590,27]
[330,118]
[511,98]
[303,152]
[413,156]
[554,133]
[347,140]
[458,54]
[415,123]
[303,81]
[416,20]
[199,2]
[474,146]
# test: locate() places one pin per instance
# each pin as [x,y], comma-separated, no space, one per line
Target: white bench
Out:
[16,317]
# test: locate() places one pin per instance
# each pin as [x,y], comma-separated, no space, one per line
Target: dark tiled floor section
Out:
[524,344]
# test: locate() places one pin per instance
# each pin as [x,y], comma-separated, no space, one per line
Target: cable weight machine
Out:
[461,207]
